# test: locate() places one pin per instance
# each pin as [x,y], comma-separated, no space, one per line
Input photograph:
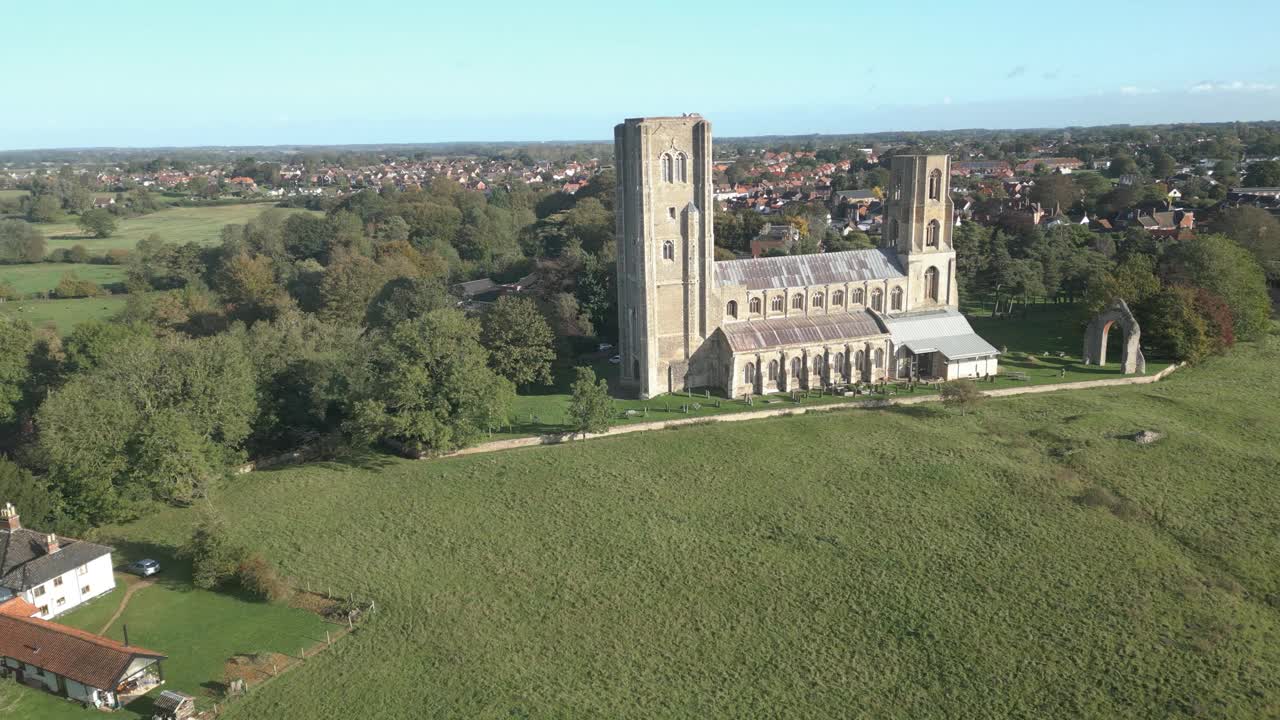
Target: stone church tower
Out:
[919,220]
[667,298]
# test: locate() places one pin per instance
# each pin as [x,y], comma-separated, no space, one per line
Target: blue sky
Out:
[130,73]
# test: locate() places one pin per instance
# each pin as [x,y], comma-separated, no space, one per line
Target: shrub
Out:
[71,286]
[961,394]
[1217,318]
[259,578]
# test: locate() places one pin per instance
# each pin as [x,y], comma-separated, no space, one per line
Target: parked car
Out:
[604,347]
[615,359]
[143,568]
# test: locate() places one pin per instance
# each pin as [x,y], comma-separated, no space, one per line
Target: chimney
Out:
[51,543]
[9,517]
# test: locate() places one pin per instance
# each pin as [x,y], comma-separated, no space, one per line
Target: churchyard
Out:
[900,562]
[1043,347]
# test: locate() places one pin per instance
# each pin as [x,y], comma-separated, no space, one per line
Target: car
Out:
[604,347]
[143,568]
[615,359]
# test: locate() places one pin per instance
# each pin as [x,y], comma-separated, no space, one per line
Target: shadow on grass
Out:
[919,412]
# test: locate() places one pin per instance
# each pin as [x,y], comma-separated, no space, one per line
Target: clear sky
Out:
[135,73]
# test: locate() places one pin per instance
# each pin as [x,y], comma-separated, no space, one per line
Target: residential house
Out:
[775,237]
[53,573]
[88,668]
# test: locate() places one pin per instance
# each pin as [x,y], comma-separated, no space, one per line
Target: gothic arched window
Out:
[795,367]
[775,305]
[797,301]
[819,364]
[877,300]
[773,370]
[858,299]
[837,298]
[682,167]
[754,306]
[935,185]
[749,374]
[895,299]
[932,233]
[817,300]
[859,361]
[931,284]
[668,250]
[838,365]
[668,171]
[879,357]
[732,309]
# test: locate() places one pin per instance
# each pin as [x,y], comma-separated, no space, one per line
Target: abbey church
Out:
[775,324]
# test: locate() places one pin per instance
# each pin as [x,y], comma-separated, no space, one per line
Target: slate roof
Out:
[796,330]
[25,564]
[944,331]
[817,269]
[81,656]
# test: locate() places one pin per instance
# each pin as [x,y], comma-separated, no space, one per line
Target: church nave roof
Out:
[790,271]
[800,330]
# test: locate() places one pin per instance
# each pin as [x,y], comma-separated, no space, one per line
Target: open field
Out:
[1024,560]
[64,315]
[179,224]
[44,277]
[1042,333]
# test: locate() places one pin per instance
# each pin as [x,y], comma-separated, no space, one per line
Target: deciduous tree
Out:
[519,341]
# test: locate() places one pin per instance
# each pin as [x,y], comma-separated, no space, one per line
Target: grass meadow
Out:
[1023,560]
[179,224]
[64,315]
[44,277]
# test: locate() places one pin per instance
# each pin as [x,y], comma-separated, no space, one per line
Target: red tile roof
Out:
[81,656]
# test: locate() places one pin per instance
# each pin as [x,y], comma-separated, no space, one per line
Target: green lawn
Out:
[1024,560]
[43,277]
[64,315]
[179,224]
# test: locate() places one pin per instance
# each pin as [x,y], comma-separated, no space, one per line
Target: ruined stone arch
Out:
[1095,338]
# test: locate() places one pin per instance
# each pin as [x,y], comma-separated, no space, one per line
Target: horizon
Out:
[290,74]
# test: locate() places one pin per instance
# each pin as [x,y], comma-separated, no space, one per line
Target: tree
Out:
[249,283]
[1172,326]
[214,558]
[38,503]
[16,342]
[590,408]
[1265,173]
[404,299]
[105,431]
[20,242]
[1256,230]
[98,222]
[1055,192]
[962,395]
[43,209]
[427,383]
[519,341]
[1218,264]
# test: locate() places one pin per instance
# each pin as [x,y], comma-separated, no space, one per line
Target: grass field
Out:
[43,277]
[1024,560]
[64,315]
[179,224]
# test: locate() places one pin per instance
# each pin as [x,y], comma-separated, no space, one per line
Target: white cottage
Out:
[84,667]
[51,572]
